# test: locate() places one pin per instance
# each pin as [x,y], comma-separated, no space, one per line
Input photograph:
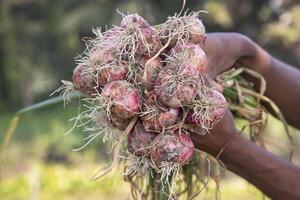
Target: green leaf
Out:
[14,122]
[47,102]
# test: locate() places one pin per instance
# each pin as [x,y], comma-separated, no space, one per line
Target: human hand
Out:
[273,176]
[213,142]
[238,154]
[225,49]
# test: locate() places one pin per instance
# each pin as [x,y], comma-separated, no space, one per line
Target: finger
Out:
[216,86]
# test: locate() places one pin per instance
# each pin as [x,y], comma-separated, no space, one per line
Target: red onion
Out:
[197,32]
[139,140]
[149,72]
[84,80]
[100,56]
[112,72]
[133,20]
[158,117]
[183,29]
[176,86]
[119,122]
[135,40]
[125,99]
[172,147]
[216,108]
[152,40]
[191,53]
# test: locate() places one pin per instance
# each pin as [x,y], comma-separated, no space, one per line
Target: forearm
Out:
[283,81]
[283,87]
[275,177]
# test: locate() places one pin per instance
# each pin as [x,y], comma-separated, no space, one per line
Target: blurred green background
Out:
[38,42]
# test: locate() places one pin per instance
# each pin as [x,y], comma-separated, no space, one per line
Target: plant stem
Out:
[154,185]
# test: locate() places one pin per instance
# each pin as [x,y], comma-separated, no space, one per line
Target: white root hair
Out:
[169,175]
[65,90]
[138,165]
[177,27]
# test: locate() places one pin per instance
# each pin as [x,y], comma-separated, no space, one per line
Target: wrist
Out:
[253,56]
[247,47]
[215,141]
[222,133]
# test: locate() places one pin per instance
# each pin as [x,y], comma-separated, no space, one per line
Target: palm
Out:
[222,51]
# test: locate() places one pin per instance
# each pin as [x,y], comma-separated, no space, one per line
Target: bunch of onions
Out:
[148,92]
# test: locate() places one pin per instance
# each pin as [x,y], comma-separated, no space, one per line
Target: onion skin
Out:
[119,122]
[139,141]
[186,93]
[113,72]
[126,99]
[101,56]
[197,32]
[188,151]
[185,90]
[190,119]
[220,107]
[148,41]
[84,81]
[217,110]
[183,29]
[168,118]
[172,147]
[133,20]
[103,49]
[127,106]
[153,41]
[150,71]
[192,53]
[114,89]
[163,118]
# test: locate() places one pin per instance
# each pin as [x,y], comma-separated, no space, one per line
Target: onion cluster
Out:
[128,74]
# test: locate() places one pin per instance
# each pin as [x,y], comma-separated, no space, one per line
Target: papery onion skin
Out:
[139,140]
[126,99]
[172,147]
[84,80]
